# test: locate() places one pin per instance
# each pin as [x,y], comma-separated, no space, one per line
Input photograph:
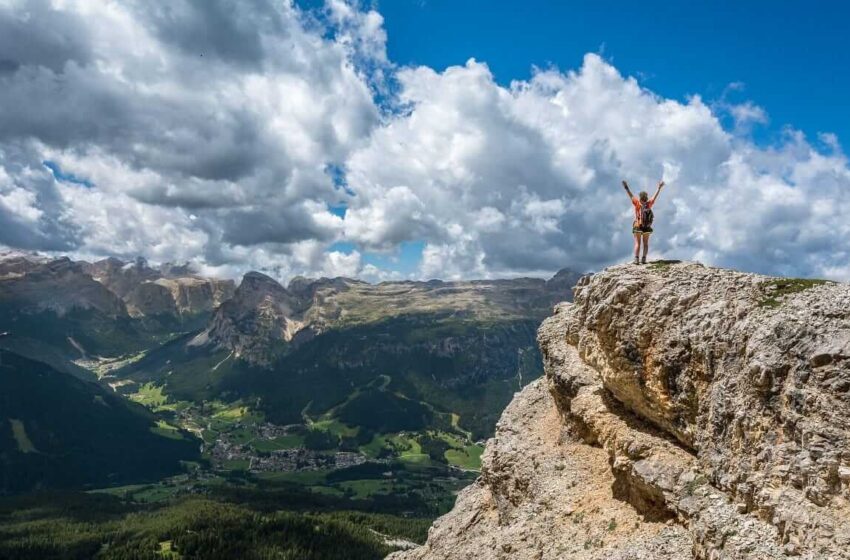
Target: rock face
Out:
[167,290]
[261,316]
[704,413]
[34,285]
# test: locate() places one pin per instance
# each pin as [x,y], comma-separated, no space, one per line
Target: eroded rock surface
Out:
[169,290]
[705,412]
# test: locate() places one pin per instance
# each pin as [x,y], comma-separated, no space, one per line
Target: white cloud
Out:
[748,113]
[207,130]
[226,112]
[526,178]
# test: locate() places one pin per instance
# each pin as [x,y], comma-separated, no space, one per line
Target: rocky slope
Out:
[686,412]
[33,285]
[260,317]
[167,290]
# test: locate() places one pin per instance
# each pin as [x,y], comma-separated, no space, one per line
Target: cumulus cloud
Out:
[224,133]
[200,126]
[526,178]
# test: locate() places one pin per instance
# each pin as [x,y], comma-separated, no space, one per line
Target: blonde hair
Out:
[644,196]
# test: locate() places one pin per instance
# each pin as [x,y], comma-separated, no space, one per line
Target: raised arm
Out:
[660,186]
[628,192]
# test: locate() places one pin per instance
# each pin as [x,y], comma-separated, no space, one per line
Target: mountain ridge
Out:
[264,314]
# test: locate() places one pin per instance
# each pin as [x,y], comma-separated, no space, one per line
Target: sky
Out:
[425,138]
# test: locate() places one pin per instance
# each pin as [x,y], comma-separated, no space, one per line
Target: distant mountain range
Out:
[104,309]
[397,369]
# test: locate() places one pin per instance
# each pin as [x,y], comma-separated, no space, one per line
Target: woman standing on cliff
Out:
[642,226]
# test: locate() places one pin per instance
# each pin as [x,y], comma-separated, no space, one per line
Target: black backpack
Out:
[646,215]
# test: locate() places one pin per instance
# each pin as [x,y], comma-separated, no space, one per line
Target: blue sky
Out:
[791,56]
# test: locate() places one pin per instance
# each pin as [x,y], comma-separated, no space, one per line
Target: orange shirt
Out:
[636,204]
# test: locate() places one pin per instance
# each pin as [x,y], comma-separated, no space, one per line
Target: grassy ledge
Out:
[774,290]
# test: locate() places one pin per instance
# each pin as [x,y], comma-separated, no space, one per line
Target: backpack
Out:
[646,215]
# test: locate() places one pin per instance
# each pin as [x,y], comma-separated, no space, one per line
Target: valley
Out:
[331,398]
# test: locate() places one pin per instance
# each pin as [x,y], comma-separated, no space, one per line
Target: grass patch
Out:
[120,491]
[21,437]
[661,265]
[166,550]
[468,458]
[415,458]
[154,494]
[290,441]
[232,414]
[165,429]
[374,447]
[327,491]
[367,488]
[335,427]
[150,395]
[209,436]
[774,290]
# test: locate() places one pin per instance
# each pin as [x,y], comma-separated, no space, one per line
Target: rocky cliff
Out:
[686,412]
[260,317]
[165,290]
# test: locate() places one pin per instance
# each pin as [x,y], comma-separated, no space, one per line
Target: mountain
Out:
[52,306]
[167,292]
[57,431]
[58,285]
[258,321]
[345,350]
[686,412]
[60,311]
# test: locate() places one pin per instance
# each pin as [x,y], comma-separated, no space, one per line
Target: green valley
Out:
[294,417]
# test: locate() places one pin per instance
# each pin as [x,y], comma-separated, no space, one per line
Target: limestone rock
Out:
[167,290]
[32,284]
[254,323]
[707,409]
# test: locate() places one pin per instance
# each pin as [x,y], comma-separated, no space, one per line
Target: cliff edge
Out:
[686,412]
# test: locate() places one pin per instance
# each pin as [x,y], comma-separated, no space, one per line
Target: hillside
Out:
[686,412]
[57,431]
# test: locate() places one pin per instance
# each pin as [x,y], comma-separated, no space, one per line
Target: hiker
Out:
[642,226]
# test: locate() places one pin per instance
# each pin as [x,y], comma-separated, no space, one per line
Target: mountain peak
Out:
[255,279]
[259,320]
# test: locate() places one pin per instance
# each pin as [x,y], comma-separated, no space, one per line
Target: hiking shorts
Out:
[644,230]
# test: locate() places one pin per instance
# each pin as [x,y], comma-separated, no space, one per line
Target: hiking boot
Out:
[643,260]
[636,261]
